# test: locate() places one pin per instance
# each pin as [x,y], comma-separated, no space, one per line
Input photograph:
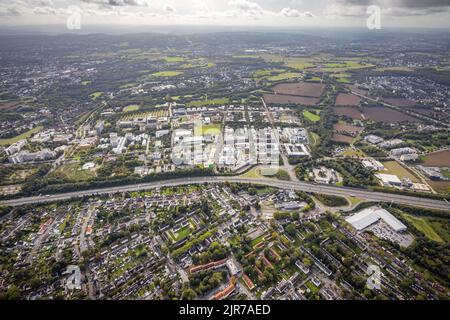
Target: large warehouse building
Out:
[369,216]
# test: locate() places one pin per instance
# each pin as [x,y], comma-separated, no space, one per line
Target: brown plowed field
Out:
[347,127]
[438,159]
[351,112]
[305,89]
[399,102]
[345,99]
[382,114]
[341,138]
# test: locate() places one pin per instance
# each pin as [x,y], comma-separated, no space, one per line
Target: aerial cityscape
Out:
[248,164]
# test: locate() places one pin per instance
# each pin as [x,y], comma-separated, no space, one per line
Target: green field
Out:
[173,59]
[254,173]
[446,173]
[311,116]
[264,73]
[314,138]
[96,95]
[25,135]
[392,167]
[131,108]
[202,103]
[209,129]
[167,74]
[182,233]
[422,225]
[352,153]
[86,83]
[71,172]
[283,76]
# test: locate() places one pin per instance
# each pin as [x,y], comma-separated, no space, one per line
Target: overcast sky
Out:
[283,13]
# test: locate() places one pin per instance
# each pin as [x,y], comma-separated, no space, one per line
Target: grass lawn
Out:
[392,167]
[202,103]
[256,241]
[173,59]
[131,108]
[167,74]
[183,233]
[311,116]
[352,153]
[422,225]
[71,172]
[355,200]
[254,173]
[96,95]
[314,138]
[209,129]
[86,83]
[315,79]
[25,135]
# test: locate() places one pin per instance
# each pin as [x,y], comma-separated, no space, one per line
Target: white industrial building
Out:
[369,216]
[389,180]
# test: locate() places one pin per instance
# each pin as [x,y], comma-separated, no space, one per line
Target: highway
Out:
[297,186]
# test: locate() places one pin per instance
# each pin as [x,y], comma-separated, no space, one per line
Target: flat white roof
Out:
[389,178]
[369,216]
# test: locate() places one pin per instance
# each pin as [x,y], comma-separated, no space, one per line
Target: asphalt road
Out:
[298,186]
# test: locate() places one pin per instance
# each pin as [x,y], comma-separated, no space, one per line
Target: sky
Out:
[280,13]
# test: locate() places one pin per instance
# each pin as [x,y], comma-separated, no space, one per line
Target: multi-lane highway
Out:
[298,186]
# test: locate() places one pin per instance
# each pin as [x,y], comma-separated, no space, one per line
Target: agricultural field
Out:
[386,115]
[400,102]
[336,137]
[345,99]
[437,159]
[349,128]
[351,112]
[342,77]
[304,89]
[357,90]
[393,167]
[283,76]
[25,135]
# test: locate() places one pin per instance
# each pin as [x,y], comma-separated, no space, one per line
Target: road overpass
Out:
[297,186]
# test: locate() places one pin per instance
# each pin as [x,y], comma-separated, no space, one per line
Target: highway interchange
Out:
[297,186]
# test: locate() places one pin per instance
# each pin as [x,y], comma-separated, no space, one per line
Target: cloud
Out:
[44,10]
[294,13]
[357,8]
[120,3]
[10,12]
[169,8]
[246,7]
